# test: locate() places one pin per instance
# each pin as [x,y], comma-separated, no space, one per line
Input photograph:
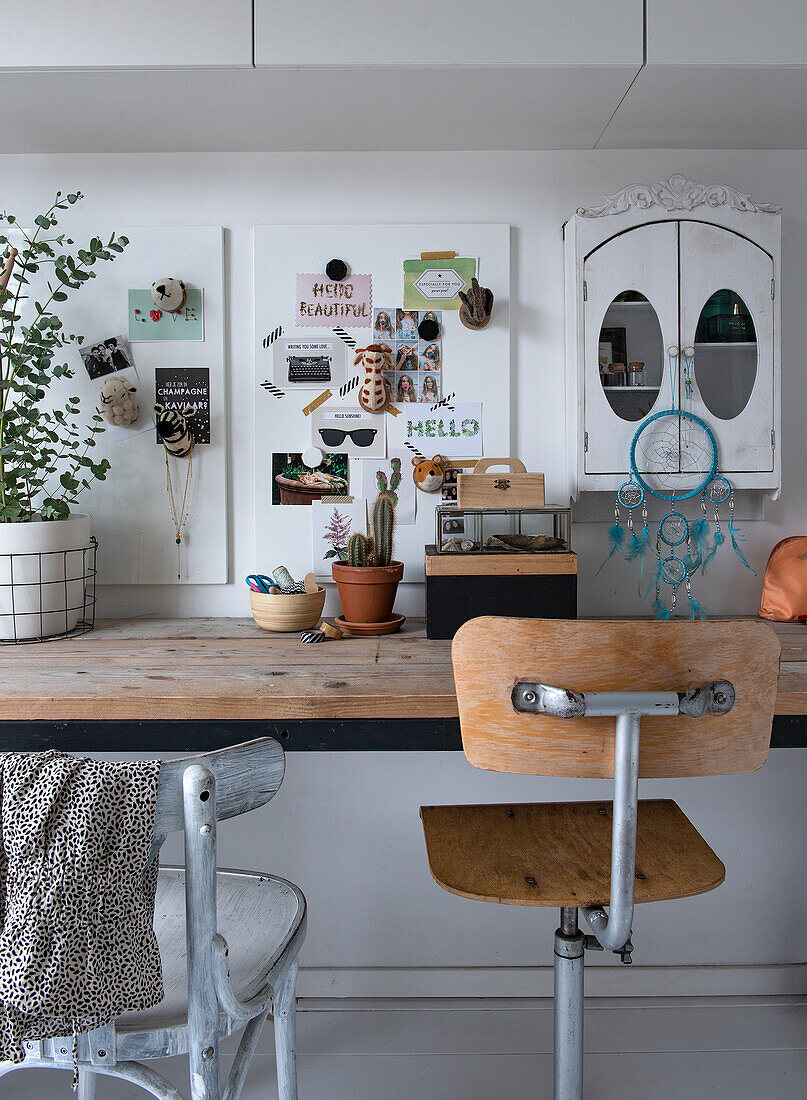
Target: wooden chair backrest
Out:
[246,775]
[491,654]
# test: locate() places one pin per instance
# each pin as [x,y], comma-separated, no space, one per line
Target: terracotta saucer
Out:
[370,629]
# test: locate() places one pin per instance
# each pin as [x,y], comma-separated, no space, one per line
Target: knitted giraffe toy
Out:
[375,394]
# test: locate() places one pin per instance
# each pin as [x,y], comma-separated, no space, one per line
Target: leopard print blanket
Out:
[77,946]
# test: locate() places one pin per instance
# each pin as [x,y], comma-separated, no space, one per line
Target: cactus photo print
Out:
[392,475]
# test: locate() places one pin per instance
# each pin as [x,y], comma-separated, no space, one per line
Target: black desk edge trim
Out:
[295,734]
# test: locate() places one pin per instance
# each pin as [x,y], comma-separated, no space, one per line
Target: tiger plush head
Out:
[429,473]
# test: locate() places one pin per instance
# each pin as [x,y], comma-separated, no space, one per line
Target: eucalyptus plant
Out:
[46,457]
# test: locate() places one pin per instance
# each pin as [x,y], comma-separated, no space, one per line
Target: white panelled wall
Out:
[345,826]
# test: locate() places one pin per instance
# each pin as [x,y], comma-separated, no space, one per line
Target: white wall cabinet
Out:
[453,32]
[682,279]
[88,34]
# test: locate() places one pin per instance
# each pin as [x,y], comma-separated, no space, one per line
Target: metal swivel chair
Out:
[540,697]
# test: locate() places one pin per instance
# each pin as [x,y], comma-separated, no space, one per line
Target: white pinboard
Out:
[131,519]
[476,365]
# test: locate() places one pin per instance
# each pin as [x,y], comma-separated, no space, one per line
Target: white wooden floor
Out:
[721,1048]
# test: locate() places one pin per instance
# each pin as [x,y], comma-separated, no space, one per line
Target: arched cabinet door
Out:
[630,317]
[727,341]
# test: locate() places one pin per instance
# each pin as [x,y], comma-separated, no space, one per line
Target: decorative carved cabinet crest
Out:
[677,193]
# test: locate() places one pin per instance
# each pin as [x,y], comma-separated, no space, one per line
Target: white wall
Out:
[533,192]
[373,904]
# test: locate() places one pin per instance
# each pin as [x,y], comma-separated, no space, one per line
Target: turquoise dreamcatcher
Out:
[674,457]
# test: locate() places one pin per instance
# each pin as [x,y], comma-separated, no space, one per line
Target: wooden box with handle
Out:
[516,489]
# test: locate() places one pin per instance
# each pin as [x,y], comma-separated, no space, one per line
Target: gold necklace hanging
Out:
[179,520]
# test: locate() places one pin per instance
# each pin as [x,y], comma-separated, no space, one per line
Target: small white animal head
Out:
[118,404]
[168,293]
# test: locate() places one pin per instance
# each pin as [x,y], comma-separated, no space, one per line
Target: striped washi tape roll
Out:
[349,385]
[272,336]
[295,589]
[348,339]
[270,387]
[311,636]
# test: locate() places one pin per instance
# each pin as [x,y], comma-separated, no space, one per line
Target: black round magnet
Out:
[428,329]
[336,270]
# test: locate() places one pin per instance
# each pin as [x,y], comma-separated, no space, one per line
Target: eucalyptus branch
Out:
[36,443]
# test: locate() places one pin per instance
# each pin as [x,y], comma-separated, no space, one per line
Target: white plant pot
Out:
[48,592]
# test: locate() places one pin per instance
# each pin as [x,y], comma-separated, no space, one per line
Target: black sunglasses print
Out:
[335,437]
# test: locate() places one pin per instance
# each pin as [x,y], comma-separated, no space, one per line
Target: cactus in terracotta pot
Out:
[383,529]
[369,580]
[359,550]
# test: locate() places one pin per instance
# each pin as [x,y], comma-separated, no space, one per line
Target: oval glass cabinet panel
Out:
[631,355]
[725,354]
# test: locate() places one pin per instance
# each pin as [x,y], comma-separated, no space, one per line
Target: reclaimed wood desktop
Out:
[164,685]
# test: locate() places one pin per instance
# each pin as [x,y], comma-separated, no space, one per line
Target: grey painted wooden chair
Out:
[220,973]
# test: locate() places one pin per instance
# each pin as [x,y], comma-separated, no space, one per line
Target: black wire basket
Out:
[47,595]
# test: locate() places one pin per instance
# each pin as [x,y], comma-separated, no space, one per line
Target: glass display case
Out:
[502,531]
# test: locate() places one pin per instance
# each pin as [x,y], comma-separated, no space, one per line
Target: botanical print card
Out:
[147,322]
[332,525]
[176,387]
[321,302]
[350,430]
[405,491]
[435,283]
[454,433]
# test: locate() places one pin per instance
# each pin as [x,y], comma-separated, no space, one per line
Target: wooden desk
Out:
[159,685]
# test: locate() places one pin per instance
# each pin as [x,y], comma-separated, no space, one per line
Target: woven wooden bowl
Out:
[285,614]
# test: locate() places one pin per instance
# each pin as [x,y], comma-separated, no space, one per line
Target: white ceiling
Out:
[427,108]
[311,109]
[711,107]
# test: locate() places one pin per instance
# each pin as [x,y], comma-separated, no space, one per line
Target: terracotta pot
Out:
[367,592]
[292,492]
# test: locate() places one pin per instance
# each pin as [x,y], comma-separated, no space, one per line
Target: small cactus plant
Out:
[394,481]
[358,550]
[383,527]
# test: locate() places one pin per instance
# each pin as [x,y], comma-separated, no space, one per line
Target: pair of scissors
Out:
[259,582]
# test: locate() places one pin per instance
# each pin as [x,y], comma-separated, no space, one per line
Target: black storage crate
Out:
[460,587]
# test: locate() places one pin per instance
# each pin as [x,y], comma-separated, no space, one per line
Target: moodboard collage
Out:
[372,422]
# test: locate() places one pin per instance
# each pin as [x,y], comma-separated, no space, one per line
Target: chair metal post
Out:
[199,794]
[612,929]
[569,964]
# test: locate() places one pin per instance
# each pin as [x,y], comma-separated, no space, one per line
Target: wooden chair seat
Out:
[559,853]
[258,915]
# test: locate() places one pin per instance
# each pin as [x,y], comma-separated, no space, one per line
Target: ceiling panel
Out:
[308,109]
[456,32]
[705,107]
[726,32]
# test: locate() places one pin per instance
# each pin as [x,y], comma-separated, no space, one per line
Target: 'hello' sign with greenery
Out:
[456,432]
